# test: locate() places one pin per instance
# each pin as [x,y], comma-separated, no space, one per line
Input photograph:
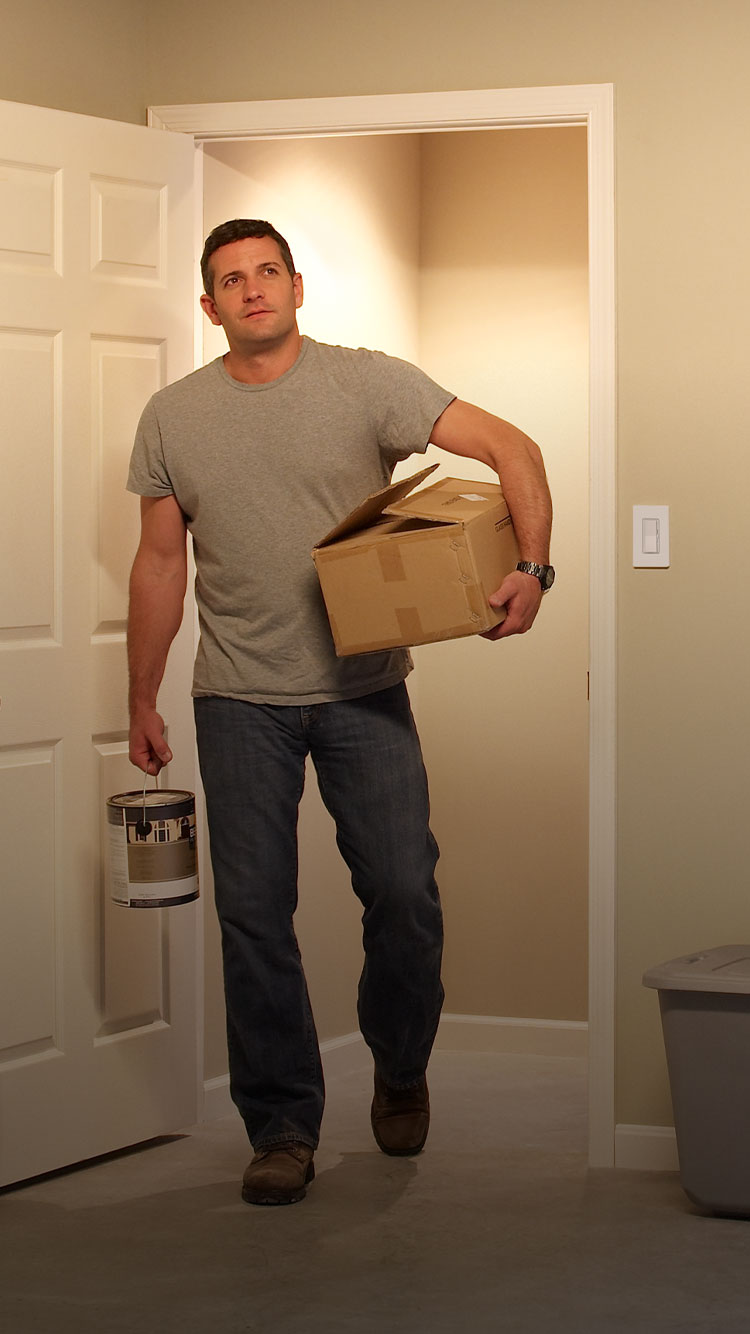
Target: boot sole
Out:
[278,1196]
[409,1152]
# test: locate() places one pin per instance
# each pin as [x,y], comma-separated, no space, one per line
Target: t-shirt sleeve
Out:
[405,404]
[148,475]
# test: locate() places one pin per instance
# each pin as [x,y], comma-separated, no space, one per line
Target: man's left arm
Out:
[473,433]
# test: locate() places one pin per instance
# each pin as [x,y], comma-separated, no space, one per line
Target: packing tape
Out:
[391,564]
[410,625]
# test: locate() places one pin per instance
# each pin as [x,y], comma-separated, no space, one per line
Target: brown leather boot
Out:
[278,1175]
[400,1117]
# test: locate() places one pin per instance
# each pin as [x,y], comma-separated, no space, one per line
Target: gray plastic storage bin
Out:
[705,1011]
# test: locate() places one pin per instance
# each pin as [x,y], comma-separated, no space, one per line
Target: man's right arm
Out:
[157,592]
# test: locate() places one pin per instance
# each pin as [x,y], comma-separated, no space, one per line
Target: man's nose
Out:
[253,290]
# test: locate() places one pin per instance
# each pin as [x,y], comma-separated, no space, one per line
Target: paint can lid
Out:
[154,797]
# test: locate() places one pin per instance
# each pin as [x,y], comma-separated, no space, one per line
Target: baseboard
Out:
[457,1032]
[216,1099]
[646,1148]
[528,1037]
[345,1055]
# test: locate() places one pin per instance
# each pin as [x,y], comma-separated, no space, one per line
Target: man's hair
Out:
[238,229]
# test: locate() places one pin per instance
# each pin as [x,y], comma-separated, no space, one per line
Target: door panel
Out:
[97,1001]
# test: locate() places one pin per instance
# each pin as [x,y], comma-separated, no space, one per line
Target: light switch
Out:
[650,536]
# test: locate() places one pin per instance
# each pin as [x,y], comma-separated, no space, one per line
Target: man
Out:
[258,454]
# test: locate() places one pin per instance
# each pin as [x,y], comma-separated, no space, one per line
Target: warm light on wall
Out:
[349,209]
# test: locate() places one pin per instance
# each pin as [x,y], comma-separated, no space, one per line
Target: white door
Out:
[97,1002]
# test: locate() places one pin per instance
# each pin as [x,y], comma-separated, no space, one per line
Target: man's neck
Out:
[265,365]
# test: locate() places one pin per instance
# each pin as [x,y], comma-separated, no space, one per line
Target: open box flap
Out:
[450,500]
[374,506]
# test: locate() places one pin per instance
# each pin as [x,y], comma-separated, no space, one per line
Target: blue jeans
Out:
[371,776]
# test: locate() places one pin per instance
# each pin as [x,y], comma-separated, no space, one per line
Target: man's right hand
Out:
[148,748]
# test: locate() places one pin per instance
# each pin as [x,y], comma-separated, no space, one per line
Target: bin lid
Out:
[725,968]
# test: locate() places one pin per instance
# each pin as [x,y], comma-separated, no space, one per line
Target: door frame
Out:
[591,105]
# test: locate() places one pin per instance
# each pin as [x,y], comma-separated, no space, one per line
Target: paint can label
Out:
[152,855]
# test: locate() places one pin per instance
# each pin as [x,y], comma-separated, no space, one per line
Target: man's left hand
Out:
[521,595]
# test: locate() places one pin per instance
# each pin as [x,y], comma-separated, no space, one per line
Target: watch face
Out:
[549,578]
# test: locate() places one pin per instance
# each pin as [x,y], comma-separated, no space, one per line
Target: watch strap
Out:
[544,573]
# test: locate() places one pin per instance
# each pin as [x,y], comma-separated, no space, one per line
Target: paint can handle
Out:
[143,827]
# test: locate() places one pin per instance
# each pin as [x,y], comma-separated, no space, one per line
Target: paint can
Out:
[152,856]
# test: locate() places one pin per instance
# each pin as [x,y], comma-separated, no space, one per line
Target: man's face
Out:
[255,299]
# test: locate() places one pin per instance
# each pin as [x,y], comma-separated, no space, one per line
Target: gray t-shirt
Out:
[262,472]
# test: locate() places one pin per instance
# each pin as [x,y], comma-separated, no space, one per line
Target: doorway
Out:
[590,107]
[466,252]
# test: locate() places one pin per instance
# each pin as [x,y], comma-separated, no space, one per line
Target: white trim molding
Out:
[646,1148]
[527,1037]
[390,113]
[217,1101]
[591,105]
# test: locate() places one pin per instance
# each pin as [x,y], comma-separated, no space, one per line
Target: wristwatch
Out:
[544,573]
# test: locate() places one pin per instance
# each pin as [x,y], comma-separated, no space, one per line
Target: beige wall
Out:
[76,55]
[679,69]
[504,322]
[367,190]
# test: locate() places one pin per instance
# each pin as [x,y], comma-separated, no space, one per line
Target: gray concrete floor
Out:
[497,1226]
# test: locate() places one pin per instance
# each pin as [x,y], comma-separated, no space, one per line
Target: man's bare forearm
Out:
[157,594]
[468,430]
[155,614]
[518,462]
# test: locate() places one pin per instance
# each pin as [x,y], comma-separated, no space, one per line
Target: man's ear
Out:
[207,304]
[298,292]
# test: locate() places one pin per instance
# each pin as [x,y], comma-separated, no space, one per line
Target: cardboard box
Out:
[414,567]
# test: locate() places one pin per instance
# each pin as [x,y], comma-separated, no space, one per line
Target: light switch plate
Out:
[650,536]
